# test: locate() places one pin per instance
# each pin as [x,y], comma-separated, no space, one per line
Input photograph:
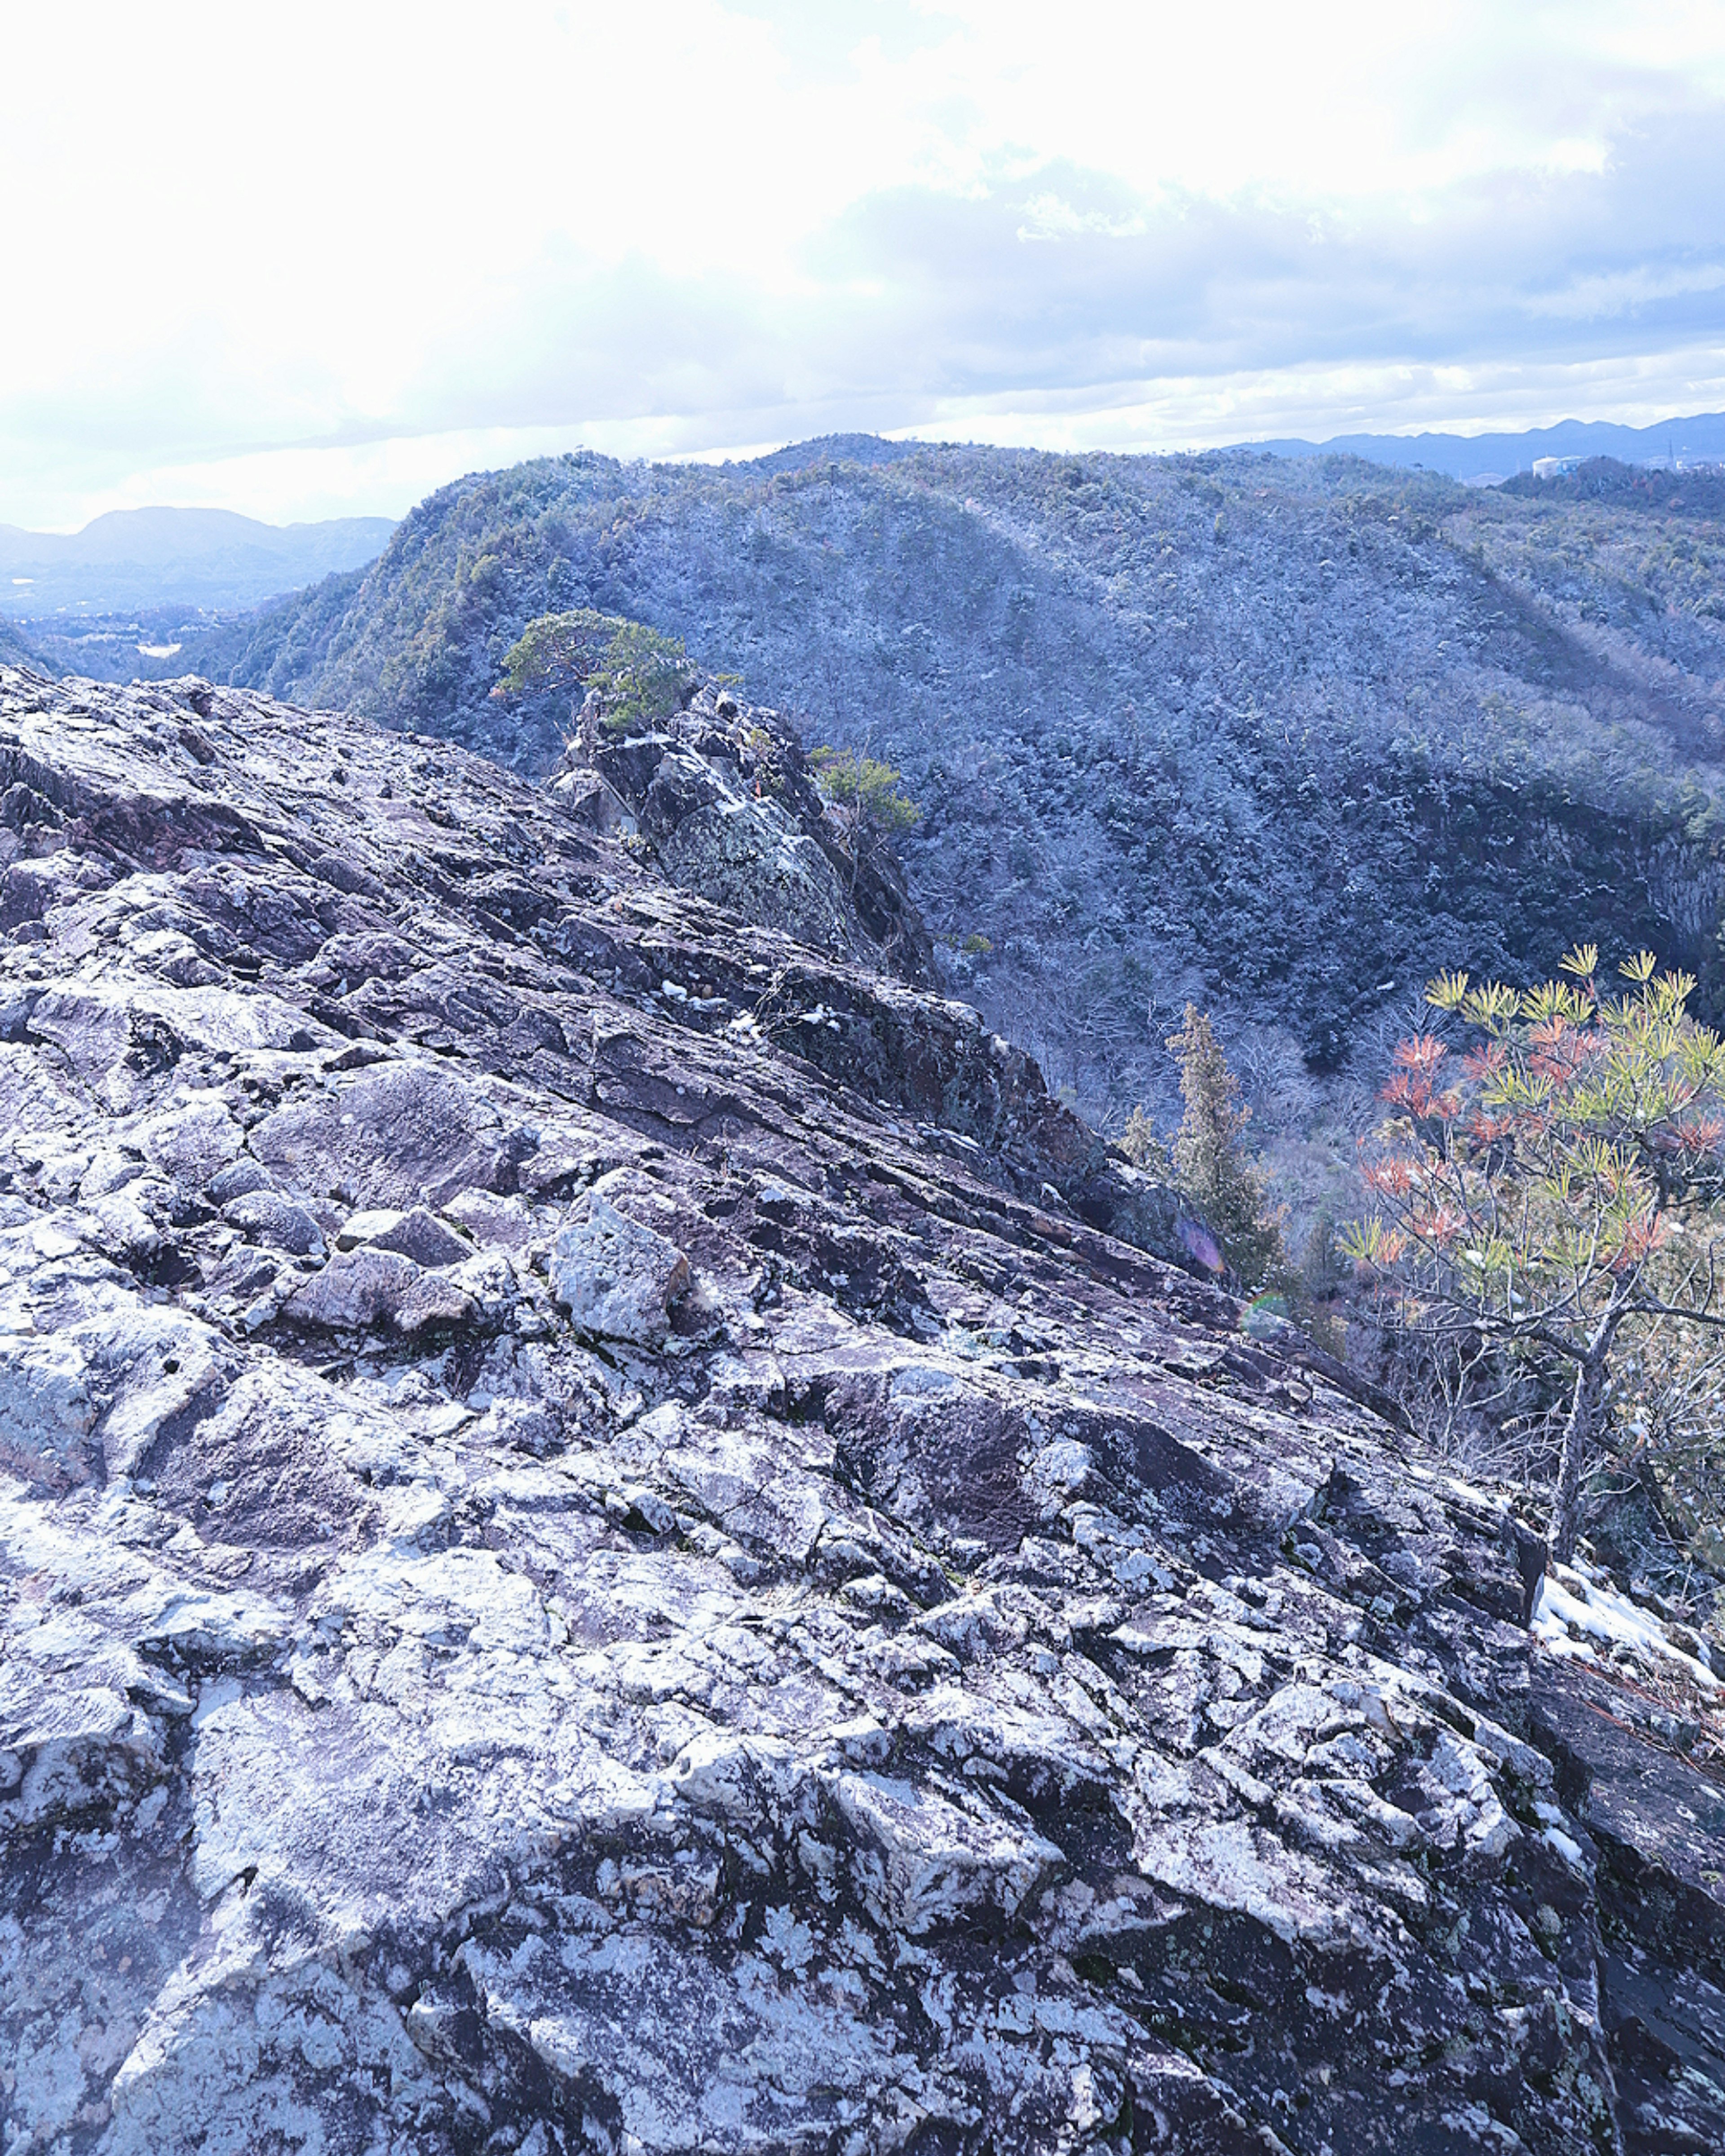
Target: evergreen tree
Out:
[863,802]
[638,677]
[1212,1166]
[1552,1190]
[1143,1147]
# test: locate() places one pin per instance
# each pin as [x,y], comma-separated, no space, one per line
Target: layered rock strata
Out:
[726,799]
[600,1550]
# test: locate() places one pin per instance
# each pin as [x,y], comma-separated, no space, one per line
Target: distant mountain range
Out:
[1698,439]
[199,557]
[212,560]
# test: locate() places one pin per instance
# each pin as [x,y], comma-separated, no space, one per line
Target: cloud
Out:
[299,261]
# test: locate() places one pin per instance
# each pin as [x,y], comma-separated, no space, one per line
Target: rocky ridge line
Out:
[589,1560]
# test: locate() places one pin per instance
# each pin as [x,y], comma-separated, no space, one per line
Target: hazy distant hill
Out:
[145,557]
[1284,735]
[1695,440]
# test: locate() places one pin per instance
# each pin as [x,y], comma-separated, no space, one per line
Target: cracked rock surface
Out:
[725,798]
[587,1568]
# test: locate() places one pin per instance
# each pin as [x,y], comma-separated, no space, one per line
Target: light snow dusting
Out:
[1574,1610]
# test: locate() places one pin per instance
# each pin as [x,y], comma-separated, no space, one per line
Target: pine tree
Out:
[633,676]
[1552,1190]
[1212,1166]
[1143,1147]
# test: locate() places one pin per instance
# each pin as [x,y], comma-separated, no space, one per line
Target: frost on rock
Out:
[585,1569]
[47,1410]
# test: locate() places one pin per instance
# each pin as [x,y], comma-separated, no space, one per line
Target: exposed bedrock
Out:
[600,1550]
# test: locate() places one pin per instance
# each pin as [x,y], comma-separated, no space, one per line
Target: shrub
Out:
[1548,1191]
[866,789]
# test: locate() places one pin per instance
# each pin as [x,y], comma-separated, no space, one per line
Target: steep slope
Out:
[580,1571]
[1281,735]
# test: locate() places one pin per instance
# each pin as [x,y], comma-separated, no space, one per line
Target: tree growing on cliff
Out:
[864,789]
[639,676]
[1548,1188]
[863,800]
[1212,1166]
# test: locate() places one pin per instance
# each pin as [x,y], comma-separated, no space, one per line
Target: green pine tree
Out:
[1212,1166]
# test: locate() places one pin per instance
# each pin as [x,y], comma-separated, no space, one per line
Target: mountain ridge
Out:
[132,557]
[586,1560]
[1281,735]
[1699,437]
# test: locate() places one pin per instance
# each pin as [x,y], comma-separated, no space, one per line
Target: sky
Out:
[315,259]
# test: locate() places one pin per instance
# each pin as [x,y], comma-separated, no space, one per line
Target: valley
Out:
[188,559]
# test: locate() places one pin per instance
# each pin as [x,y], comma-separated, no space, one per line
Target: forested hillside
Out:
[1281,735]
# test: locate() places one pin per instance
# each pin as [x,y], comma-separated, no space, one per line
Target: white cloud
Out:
[302,260]
[1628,291]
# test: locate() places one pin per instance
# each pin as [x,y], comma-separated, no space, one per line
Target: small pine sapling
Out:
[863,800]
[1548,1190]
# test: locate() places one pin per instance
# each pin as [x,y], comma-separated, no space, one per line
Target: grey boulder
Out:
[417,1234]
[263,1217]
[617,1279]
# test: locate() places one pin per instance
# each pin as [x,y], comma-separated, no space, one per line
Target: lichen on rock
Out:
[617,1278]
[616,1535]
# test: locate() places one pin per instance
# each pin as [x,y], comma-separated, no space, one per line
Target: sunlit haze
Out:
[312,261]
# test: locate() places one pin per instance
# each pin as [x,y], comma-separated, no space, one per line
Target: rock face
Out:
[589,1561]
[725,798]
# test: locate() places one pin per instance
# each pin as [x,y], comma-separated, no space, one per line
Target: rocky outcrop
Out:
[725,798]
[588,1562]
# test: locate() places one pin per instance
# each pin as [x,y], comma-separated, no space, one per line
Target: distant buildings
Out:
[1554,467]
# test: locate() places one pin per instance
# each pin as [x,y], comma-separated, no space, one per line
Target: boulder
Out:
[264,1217]
[417,1234]
[366,1287]
[617,1279]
